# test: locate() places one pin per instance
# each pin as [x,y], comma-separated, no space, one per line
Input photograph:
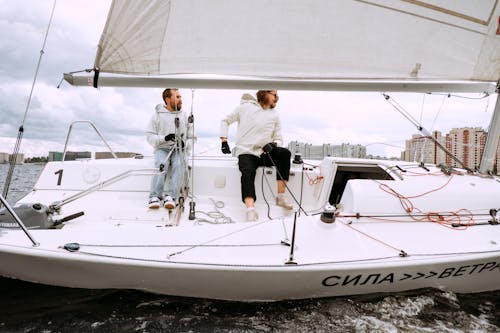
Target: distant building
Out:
[348,150]
[19,158]
[318,152]
[466,144]
[107,154]
[423,149]
[5,158]
[54,156]
[72,155]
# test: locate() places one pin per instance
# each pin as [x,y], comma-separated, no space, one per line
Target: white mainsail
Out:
[296,39]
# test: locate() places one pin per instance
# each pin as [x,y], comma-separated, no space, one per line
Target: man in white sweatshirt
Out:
[167,133]
[258,143]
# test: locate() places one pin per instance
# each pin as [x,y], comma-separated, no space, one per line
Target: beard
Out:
[176,107]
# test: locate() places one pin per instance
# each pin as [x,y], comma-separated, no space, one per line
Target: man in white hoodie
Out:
[167,133]
[258,143]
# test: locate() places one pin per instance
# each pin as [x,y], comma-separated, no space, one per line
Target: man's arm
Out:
[224,128]
[226,121]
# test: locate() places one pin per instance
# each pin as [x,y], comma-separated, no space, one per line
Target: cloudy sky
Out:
[122,114]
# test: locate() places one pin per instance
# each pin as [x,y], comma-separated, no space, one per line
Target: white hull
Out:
[123,244]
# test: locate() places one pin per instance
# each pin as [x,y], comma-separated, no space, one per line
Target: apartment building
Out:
[318,152]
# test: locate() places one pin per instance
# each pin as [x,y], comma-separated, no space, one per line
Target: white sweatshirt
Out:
[162,123]
[256,127]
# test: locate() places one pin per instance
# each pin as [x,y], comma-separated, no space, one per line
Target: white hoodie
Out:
[162,123]
[256,127]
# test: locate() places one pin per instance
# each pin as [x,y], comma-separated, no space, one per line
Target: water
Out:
[29,307]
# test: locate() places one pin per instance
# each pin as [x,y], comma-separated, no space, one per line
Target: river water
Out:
[29,307]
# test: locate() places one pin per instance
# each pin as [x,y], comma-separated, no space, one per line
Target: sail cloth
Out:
[298,39]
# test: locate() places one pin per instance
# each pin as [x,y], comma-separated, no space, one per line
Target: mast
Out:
[490,149]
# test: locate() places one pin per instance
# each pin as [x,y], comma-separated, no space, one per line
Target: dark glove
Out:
[170,137]
[268,147]
[225,148]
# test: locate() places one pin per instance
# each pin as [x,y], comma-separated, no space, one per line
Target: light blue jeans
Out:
[174,176]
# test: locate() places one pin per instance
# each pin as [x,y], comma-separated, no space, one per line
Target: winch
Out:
[33,215]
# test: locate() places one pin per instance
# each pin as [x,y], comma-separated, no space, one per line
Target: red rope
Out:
[315,180]
[454,220]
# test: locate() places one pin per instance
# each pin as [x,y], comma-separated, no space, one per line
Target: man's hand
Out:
[225,148]
[268,147]
[170,137]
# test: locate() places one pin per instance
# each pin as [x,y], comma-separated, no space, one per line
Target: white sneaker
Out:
[252,215]
[282,201]
[169,202]
[154,203]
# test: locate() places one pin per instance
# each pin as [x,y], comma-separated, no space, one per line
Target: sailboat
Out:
[395,226]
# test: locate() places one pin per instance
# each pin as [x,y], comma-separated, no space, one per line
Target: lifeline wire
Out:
[433,123]
[425,141]
[286,186]
[253,225]
[21,128]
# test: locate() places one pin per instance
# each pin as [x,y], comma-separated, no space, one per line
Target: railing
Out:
[97,131]
[55,206]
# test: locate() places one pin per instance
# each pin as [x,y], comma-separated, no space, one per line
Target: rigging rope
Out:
[421,116]
[432,125]
[216,238]
[17,146]
[401,252]
[424,131]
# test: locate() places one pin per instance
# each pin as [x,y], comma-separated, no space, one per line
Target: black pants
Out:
[248,165]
